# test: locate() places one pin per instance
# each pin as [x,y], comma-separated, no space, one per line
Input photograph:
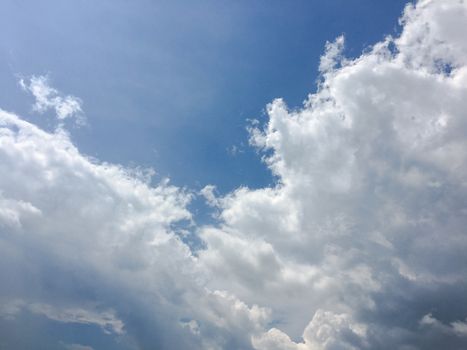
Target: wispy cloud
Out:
[47,97]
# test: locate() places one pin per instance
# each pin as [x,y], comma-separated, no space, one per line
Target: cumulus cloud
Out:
[369,209]
[325,331]
[458,328]
[46,97]
[360,244]
[332,56]
[95,244]
[208,192]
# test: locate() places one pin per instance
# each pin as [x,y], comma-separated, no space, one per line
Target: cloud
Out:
[332,56]
[78,347]
[458,328]
[325,331]
[359,245]
[369,207]
[105,319]
[47,97]
[208,192]
[95,244]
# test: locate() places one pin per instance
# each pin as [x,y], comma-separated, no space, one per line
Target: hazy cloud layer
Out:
[360,245]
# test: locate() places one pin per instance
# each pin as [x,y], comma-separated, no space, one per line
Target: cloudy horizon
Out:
[338,223]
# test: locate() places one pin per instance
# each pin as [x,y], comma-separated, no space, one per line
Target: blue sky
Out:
[317,157]
[171,84]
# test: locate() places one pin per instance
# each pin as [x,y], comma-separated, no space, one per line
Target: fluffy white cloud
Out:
[325,331]
[49,98]
[369,209]
[458,328]
[83,242]
[360,244]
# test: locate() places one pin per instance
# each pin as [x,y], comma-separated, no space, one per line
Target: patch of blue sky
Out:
[171,84]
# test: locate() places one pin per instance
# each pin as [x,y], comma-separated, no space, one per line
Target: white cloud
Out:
[326,331]
[363,234]
[370,199]
[107,319]
[208,192]
[94,243]
[49,98]
[458,328]
[332,56]
[78,347]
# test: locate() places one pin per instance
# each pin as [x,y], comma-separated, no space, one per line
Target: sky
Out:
[172,84]
[233,175]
